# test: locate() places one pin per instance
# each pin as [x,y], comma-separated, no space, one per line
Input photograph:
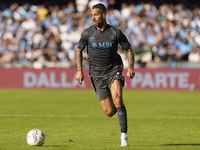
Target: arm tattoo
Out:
[131,58]
[79,58]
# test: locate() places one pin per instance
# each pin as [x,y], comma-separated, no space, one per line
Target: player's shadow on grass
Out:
[181,144]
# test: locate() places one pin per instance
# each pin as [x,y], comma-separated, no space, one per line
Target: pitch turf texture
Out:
[74,120]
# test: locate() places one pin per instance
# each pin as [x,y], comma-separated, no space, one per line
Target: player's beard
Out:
[99,23]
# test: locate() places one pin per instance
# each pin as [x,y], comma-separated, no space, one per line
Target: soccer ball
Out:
[35,137]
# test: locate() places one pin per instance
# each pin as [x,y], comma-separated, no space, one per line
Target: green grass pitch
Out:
[74,120]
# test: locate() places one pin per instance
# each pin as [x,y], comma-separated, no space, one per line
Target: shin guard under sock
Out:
[122,117]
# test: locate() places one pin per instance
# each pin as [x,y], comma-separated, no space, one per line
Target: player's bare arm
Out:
[131,59]
[79,58]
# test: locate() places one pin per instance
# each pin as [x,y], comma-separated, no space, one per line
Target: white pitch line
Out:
[50,116]
[197,118]
[80,116]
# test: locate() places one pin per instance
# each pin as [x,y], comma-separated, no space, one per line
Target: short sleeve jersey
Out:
[102,47]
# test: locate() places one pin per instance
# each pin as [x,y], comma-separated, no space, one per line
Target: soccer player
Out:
[105,65]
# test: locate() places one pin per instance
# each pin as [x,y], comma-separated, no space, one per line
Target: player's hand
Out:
[79,77]
[130,74]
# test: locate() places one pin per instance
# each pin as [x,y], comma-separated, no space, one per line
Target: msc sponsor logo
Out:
[103,45]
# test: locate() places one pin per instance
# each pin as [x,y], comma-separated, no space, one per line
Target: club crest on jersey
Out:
[112,37]
[94,45]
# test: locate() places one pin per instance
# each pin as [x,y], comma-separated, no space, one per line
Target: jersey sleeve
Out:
[83,40]
[123,41]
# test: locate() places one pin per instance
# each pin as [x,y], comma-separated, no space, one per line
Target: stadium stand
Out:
[38,35]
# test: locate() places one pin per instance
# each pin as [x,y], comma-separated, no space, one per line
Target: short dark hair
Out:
[100,6]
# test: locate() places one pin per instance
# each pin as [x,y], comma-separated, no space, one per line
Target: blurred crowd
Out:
[38,36]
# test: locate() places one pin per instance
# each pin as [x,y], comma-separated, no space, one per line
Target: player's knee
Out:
[109,115]
[109,112]
[118,102]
